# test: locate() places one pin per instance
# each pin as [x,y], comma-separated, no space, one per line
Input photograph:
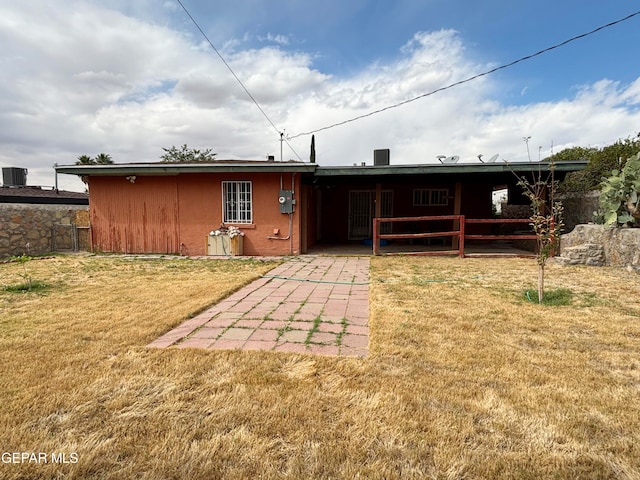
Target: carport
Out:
[342,203]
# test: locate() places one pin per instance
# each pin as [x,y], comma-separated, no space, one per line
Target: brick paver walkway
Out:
[316,305]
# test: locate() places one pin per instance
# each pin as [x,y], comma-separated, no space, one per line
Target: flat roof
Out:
[244,166]
[31,194]
[439,168]
[165,168]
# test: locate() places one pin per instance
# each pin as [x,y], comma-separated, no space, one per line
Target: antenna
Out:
[480,157]
[281,140]
[526,140]
[451,159]
[440,157]
[493,158]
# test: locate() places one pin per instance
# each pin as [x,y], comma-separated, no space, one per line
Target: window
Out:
[428,197]
[237,202]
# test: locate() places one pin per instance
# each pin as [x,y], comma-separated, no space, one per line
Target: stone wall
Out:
[579,208]
[515,211]
[36,229]
[596,245]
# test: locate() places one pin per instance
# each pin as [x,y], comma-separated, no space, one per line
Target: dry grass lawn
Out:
[465,378]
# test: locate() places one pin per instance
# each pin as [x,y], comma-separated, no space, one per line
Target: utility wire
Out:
[246,90]
[455,84]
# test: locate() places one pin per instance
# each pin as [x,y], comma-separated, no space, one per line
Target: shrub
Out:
[619,195]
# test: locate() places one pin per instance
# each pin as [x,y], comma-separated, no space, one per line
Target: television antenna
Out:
[526,140]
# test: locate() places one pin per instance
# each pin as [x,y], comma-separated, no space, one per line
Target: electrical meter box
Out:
[285,199]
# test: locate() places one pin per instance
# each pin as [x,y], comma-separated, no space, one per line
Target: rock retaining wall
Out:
[36,229]
[596,245]
[579,208]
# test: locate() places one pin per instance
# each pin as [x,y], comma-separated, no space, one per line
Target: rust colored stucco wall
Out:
[174,214]
[200,200]
[140,217]
[199,206]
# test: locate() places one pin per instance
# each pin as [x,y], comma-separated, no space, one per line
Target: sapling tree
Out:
[546,218]
[23,259]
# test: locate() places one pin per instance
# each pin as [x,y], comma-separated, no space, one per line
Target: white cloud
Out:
[93,79]
[275,38]
[272,75]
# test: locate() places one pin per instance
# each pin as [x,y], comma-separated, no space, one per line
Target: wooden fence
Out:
[457,234]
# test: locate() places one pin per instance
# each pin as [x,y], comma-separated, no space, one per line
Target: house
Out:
[282,207]
[171,208]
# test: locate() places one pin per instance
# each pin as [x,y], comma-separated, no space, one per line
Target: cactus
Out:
[619,195]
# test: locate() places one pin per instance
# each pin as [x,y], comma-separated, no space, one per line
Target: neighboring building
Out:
[281,207]
[15,190]
[38,220]
[41,196]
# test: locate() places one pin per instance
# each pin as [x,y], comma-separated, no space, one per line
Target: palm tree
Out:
[85,160]
[103,159]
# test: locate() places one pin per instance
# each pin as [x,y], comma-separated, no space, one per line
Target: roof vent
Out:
[271,158]
[14,177]
[381,157]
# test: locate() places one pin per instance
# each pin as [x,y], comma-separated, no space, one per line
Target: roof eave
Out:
[321,171]
[176,169]
[569,166]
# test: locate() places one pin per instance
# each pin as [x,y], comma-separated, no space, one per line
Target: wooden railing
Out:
[458,234]
[455,234]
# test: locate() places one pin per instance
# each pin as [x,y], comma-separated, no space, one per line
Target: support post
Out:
[377,210]
[461,237]
[376,236]
[457,207]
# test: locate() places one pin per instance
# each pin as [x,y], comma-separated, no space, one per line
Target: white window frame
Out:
[237,201]
[430,197]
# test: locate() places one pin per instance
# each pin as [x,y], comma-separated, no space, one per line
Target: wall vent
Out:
[381,157]
[14,177]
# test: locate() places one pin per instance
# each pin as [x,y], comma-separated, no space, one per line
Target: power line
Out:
[467,80]
[246,90]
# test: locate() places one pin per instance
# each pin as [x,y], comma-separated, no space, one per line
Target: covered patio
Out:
[342,203]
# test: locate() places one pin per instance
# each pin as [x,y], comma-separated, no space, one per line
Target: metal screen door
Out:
[362,209]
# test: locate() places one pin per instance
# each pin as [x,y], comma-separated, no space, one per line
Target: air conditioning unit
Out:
[381,157]
[14,177]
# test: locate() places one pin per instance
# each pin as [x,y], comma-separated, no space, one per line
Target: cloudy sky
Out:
[130,77]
